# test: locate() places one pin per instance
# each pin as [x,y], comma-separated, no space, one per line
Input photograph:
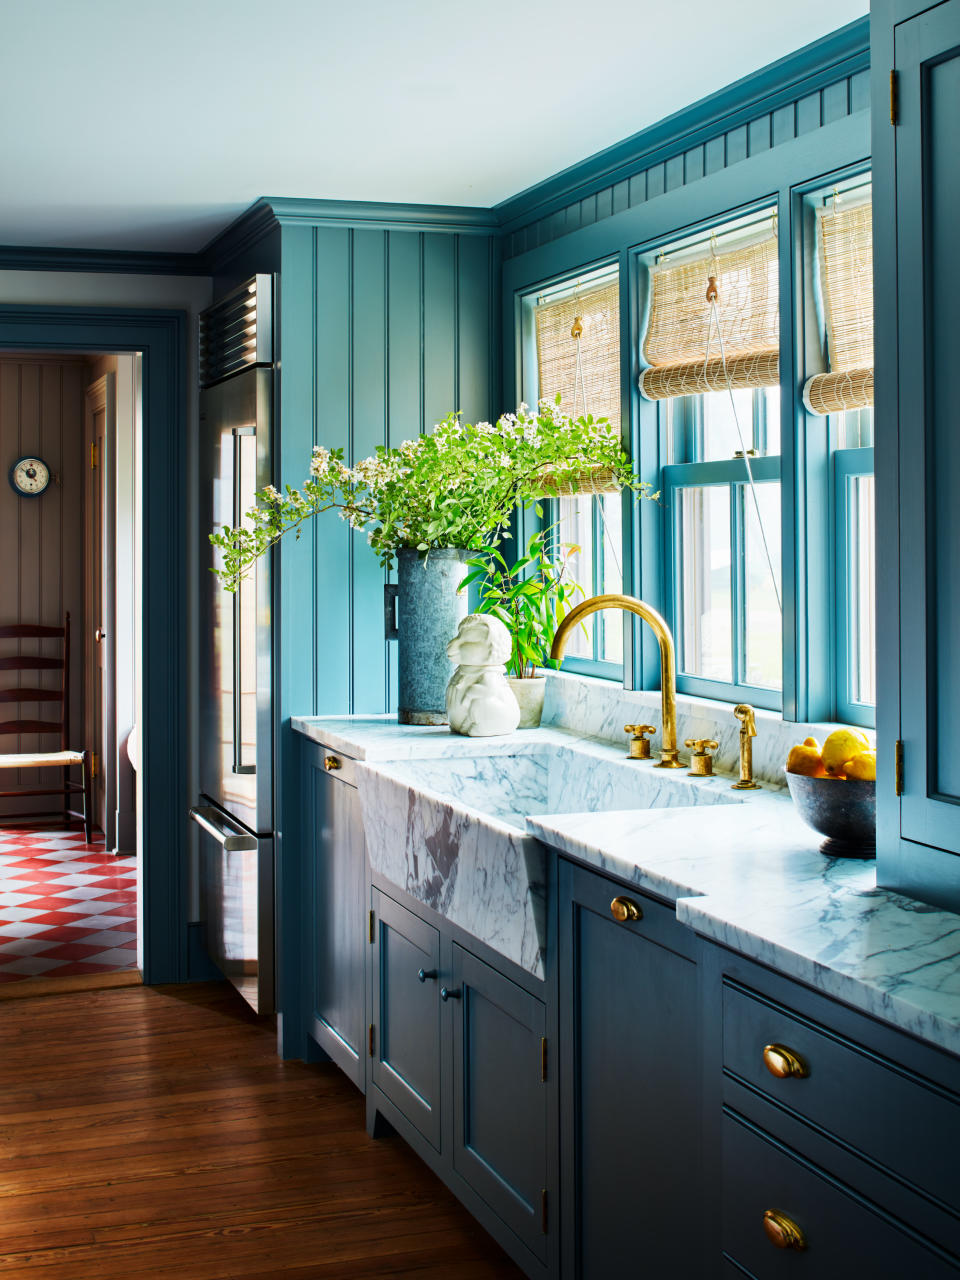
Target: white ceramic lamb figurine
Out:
[480,703]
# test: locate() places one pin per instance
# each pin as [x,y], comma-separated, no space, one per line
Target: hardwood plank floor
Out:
[148,1132]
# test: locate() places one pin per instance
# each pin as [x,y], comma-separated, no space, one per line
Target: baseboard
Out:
[29,987]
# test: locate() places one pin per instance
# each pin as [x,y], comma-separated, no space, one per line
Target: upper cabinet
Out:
[916,106]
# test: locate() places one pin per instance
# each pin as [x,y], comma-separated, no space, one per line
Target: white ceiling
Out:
[134,125]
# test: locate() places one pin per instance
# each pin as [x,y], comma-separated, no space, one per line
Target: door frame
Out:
[102,395]
[160,336]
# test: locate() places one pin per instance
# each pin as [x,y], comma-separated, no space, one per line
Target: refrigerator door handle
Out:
[239,433]
[232,841]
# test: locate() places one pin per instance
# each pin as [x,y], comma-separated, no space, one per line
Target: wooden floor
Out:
[148,1132]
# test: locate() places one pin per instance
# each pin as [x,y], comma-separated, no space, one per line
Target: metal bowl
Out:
[842,809]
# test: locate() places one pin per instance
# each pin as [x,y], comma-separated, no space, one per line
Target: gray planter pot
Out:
[428,613]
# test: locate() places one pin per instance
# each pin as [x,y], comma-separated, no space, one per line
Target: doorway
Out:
[162,782]
[68,902]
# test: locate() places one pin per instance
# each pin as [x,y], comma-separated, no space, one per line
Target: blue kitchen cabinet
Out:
[831,1137]
[459,1067]
[630,1085]
[500,1102]
[404,1031]
[335,924]
[916,106]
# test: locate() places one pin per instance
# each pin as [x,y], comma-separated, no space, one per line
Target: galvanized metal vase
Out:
[427,614]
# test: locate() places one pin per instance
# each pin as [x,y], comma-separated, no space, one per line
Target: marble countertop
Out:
[749,876]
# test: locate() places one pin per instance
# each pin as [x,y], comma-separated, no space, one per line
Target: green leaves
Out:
[457,487]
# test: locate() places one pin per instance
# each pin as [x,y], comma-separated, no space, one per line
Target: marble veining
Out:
[747,875]
[600,709]
[481,873]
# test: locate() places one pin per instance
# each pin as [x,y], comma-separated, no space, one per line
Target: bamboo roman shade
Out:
[595,387]
[845,236]
[682,346]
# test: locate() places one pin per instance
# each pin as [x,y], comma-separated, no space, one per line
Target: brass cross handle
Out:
[701,762]
[639,746]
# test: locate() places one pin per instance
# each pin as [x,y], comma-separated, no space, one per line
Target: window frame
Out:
[528,522]
[848,464]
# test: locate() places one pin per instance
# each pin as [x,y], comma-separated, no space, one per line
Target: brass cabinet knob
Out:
[447,994]
[783,1231]
[424,974]
[783,1062]
[331,762]
[624,909]
[639,746]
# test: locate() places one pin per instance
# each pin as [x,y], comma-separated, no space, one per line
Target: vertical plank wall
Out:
[383,332]
[41,539]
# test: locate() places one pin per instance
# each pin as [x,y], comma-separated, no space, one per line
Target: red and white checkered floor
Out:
[66,907]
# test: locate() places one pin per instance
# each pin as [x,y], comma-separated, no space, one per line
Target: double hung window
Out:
[712,354]
[576,331]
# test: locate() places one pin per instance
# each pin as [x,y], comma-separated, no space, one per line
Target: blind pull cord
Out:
[712,294]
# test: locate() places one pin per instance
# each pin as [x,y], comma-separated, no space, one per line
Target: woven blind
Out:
[681,344]
[598,309]
[845,237]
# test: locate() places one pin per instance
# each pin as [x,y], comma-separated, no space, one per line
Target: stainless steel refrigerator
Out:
[235,808]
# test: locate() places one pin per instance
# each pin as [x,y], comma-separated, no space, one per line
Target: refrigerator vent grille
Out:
[237,332]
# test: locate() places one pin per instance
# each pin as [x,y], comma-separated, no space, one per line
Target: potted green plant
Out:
[451,492]
[531,598]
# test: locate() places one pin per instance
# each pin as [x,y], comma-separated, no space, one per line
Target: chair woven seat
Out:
[39,759]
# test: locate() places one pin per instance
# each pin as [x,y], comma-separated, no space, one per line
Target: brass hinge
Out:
[93,455]
[543,1059]
[373,927]
[898,767]
[94,764]
[370,1040]
[543,1211]
[894,100]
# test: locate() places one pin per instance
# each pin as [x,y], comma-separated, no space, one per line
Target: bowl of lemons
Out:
[835,790]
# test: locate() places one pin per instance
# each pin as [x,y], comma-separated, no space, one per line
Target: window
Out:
[721,484]
[840,398]
[585,371]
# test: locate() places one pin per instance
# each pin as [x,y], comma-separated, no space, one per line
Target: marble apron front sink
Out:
[451,831]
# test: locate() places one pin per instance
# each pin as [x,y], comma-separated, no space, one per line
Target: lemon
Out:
[805,759]
[863,767]
[842,745]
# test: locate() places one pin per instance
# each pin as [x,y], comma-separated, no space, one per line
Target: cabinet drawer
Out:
[904,1123]
[844,1235]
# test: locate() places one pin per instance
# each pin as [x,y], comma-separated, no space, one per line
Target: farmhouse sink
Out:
[451,831]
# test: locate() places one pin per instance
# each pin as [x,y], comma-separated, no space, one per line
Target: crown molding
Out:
[841,53]
[383,216]
[116,261]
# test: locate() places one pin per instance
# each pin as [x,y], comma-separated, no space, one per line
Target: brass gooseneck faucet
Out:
[668,660]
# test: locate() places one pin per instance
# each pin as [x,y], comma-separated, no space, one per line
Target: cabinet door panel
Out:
[632,1086]
[406,1060]
[338,937]
[500,1099]
[928,196]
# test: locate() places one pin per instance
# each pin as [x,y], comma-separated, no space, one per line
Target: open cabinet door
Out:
[98,639]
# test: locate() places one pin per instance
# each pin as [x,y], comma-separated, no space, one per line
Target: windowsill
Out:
[599,708]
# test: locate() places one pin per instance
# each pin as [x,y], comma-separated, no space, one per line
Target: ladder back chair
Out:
[65,758]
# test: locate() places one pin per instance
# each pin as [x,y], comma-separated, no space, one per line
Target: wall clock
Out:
[29,477]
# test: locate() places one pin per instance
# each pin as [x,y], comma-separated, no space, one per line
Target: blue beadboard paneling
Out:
[440,335]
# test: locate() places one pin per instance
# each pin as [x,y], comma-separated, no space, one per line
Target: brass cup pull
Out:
[783,1231]
[331,762]
[783,1062]
[624,909]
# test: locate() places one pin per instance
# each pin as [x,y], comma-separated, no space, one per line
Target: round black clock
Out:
[29,477]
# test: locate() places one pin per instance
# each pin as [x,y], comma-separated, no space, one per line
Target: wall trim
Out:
[378,215]
[161,336]
[115,261]
[839,54]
